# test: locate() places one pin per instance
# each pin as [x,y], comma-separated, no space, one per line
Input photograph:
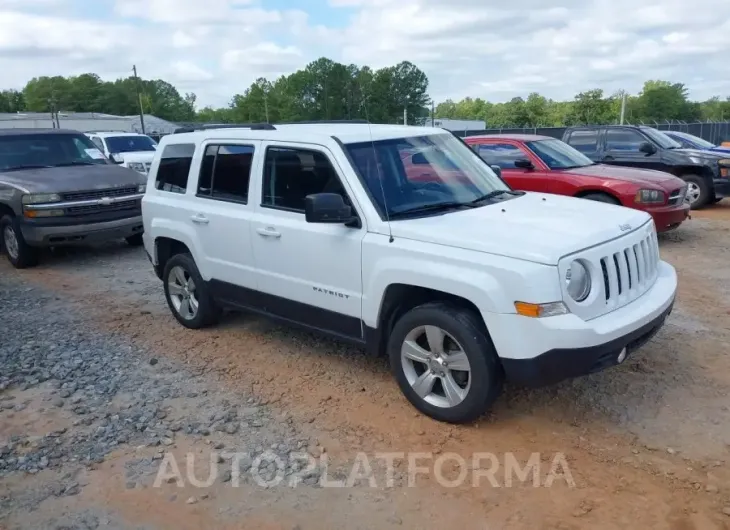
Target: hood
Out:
[699,153]
[535,227]
[73,178]
[720,149]
[135,156]
[628,174]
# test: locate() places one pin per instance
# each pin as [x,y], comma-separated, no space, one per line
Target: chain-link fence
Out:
[712,131]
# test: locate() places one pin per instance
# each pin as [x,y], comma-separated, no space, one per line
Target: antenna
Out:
[377,168]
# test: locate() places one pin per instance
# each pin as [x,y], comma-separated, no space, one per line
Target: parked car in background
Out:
[132,150]
[544,164]
[690,141]
[460,280]
[57,188]
[707,174]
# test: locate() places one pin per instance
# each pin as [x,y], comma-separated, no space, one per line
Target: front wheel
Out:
[698,191]
[187,293]
[445,362]
[20,254]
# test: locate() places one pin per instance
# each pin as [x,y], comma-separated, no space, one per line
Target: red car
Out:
[544,164]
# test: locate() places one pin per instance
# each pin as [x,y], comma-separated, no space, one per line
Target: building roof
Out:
[518,137]
[21,132]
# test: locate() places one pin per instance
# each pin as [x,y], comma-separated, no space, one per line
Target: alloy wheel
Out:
[436,366]
[181,286]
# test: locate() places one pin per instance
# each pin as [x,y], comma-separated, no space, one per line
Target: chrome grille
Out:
[99,208]
[630,271]
[98,194]
[622,270]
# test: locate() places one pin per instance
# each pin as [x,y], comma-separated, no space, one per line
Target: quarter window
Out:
[584,141]
[225,172]
[175,161]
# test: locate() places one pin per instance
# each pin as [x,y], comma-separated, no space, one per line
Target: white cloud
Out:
[467,47]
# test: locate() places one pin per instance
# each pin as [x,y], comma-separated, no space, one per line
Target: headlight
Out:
[142,188]
[578,281]
[40,198]
[650,197]
[724,167]
[138,167]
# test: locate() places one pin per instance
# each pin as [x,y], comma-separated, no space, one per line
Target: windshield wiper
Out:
[20,168]
[493,194]
[439,206]
[77,163]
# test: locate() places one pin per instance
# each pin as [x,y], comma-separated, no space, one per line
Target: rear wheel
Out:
[187,293]
[20,254]
[698,191]
[600,197]
[445,362]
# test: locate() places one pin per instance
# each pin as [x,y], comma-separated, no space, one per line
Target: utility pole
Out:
[433,114]
[623,107]
[139,98]
[266,106]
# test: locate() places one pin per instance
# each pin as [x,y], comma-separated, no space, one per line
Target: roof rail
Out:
[207,126]
[315,122]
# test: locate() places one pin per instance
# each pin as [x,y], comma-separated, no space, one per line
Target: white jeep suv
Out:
[132,150]
[403,240]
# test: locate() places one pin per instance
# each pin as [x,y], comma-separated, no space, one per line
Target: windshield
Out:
[697,141]
[660,138]
[421,172]
[126,144]
[47,150]
[559,155]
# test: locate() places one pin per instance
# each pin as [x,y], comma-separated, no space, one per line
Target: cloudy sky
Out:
[487,48]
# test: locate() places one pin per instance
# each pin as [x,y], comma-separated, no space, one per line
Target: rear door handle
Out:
[200,219]
[268,232]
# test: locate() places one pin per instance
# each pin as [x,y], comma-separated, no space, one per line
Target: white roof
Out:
[316,132]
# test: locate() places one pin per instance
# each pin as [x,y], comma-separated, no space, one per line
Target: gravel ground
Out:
[98,384]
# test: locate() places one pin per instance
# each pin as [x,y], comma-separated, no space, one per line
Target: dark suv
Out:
[707,173]
[57,188]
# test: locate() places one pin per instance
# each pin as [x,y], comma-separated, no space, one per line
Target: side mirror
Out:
[327,208]
[648,148]
[419,159]
[497,170]
[114,157]
[524,163]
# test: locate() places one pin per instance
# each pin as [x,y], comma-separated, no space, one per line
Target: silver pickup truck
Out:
[57,188]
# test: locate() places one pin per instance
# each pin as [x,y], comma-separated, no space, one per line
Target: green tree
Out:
[12,101]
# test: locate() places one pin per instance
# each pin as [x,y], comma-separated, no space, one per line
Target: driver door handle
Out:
[268,232]
[200,219]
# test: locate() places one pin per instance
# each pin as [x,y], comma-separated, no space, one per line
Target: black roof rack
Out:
[207,126]
[314,122]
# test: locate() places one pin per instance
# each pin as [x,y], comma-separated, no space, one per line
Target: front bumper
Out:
[45,235]
[565,363]
[722,187]
[668,217]
[540,351]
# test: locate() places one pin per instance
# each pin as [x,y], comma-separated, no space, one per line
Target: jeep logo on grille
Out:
[105,201]
[624,227]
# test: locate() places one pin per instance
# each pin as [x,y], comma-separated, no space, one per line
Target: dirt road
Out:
[647,444]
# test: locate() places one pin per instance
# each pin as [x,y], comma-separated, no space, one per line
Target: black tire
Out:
[487,375]
[27,256]
[208,311]
[601,197]
[706,193]
[135,241]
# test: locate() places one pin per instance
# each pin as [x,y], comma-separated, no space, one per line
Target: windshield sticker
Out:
[95,153]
